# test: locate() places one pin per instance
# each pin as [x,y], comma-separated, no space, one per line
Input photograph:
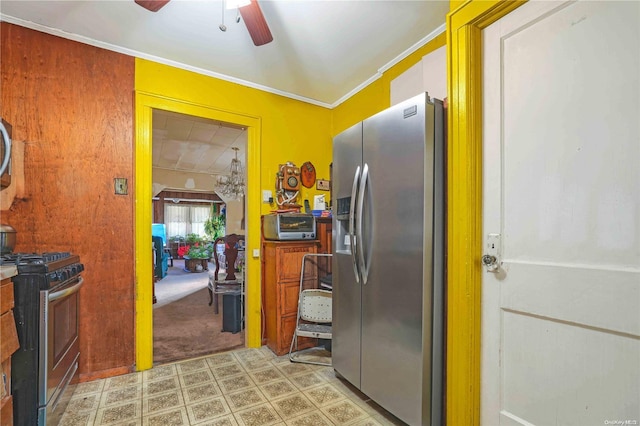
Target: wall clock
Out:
[308,174]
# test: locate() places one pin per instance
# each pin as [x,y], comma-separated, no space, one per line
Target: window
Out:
[183,219]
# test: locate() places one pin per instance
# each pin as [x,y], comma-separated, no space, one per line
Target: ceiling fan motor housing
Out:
[251,13]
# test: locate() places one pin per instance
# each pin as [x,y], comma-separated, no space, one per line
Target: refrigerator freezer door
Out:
[346,325]
[397,200]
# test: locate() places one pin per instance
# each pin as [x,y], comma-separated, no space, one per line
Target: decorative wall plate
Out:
[308,174]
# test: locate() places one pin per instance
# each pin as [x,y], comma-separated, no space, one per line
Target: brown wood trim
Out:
[103,374]
[189,195]
[166,197]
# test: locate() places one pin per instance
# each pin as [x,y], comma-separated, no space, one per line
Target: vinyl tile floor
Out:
[248,387]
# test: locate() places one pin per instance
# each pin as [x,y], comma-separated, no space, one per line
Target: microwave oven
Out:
[5,154]
[289,226]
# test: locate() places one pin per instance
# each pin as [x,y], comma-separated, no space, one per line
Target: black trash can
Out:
[232,312]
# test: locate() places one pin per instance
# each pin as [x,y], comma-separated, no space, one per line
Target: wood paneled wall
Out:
[168,196]
[72,105]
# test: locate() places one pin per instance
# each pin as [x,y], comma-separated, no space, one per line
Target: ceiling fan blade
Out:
[152,5]
[256,24]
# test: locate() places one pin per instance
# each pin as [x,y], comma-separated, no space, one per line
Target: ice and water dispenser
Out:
[341,212]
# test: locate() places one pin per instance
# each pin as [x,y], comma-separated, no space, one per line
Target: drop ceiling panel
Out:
[223,163]
[203,134]
[195,144]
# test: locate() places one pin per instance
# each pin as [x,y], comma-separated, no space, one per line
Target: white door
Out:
[561,316]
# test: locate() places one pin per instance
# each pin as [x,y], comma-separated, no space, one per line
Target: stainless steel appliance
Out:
[46,313]
[289,226]
[388,258]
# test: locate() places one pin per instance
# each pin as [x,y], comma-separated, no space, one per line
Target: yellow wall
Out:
[280,130]
[291,130]
[377,96]
[454,4]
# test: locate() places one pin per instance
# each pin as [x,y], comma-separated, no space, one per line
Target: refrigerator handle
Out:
[353,243]
[364,181]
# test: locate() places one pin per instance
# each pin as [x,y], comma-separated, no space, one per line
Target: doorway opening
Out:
[146,104]
[188,155]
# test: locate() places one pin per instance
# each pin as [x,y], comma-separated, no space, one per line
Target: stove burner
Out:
[50,257]
[32,258]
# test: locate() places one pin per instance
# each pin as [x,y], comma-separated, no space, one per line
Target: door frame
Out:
[464,204]
[144,105]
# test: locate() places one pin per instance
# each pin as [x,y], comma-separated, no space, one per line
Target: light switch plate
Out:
[120,185]
[323,185]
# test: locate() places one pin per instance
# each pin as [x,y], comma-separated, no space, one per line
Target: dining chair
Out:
[231,280]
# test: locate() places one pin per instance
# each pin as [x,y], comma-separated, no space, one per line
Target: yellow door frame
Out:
[464,228]
[145,103]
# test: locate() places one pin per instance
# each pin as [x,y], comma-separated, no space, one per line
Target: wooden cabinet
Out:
[281,267]
[323,231]
[8,345]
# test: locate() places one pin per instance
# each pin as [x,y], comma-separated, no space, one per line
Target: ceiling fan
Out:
[251,13]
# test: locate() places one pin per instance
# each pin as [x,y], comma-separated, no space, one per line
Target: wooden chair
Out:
[230,281]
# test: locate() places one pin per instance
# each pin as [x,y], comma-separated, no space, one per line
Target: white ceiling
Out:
[323,50]
[196,145]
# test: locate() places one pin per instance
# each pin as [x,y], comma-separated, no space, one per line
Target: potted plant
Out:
[197,257]
[214,227]
[193,239]
[199,251]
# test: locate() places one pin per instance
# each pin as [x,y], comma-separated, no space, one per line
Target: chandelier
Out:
[232,185]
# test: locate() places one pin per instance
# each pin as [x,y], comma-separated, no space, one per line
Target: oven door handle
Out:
[67,291]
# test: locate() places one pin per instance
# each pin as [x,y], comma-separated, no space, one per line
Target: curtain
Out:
[199,216]
[183,219]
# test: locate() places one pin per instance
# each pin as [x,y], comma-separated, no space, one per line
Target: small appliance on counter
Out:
[7,239]
[289,226]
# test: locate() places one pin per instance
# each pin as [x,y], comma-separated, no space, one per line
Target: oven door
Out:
[59,345]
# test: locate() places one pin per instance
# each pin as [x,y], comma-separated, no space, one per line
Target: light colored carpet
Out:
[179,283]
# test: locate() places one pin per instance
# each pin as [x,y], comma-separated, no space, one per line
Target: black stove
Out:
[57,267]
[47,305]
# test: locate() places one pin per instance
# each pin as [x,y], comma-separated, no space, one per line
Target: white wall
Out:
[235,214]
[428,75]
[179,181]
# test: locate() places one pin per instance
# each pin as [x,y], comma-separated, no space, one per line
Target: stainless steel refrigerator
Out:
[388,258]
